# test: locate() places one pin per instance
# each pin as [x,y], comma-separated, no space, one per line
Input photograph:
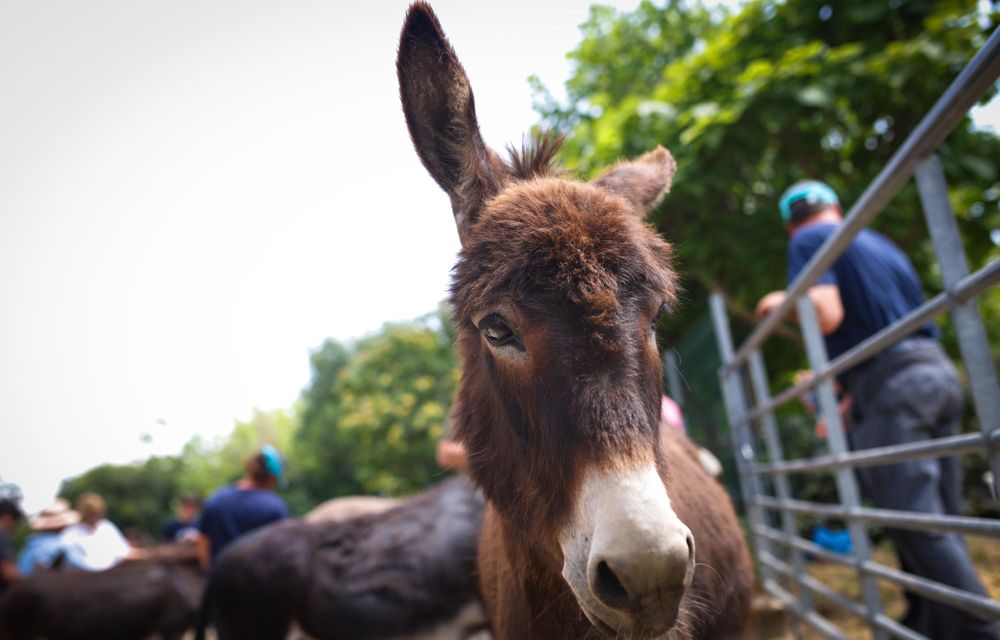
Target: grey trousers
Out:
[909,395]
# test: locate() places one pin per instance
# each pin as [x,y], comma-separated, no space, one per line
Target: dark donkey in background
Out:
[593,515]
[406,572]
[157,597]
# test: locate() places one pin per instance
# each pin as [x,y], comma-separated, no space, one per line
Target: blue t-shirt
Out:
[39,552]
[233,511]
[878,284]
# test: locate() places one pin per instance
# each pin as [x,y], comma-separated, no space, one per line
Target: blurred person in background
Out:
[907,393]
[248,504]
[449,454]
[10,516]
[183,525]
[42,549]
[95,543]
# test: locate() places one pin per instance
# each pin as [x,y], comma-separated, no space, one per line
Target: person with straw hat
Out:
[42,548]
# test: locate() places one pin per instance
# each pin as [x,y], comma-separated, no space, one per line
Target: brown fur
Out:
[579,280]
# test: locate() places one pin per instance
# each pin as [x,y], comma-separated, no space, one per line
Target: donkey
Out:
[405,572]
[593,514]
[157,596]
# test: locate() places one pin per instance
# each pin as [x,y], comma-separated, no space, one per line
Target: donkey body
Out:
[405,572]
[595,518]
[136,599]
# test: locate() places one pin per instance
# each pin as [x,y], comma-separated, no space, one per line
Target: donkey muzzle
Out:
[627,557]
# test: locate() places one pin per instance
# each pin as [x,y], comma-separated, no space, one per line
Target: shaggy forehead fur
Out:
[552,240]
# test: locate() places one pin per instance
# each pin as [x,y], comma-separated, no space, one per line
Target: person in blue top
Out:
[908,393]
[248,504]
[43,547]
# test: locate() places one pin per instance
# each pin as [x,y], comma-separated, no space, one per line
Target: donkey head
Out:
[556,296]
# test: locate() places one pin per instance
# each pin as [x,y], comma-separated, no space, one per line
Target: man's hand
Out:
[825,298]
[204,548]
[808,399]
[844,407]
[769,302]
[452,455]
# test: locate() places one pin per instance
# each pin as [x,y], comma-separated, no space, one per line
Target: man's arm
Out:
[203,546]
[825,299]
[8,568]
[9,571]
[452,455]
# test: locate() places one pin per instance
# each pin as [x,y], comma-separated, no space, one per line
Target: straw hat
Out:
[56,516]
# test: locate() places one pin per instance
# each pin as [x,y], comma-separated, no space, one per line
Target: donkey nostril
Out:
[690,543]
[609,588]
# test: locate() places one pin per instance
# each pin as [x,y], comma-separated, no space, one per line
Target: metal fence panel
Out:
[913,158]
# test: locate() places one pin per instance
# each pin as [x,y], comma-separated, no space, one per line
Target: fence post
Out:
[762,393]
[673,377]
[736,409]
[847,486]
[973,342]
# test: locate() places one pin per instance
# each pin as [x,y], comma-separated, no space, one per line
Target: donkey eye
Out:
[496,331]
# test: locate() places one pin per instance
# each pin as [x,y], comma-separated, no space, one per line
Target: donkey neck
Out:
[533,600]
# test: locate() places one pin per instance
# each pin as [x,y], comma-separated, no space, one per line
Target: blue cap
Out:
[273,463]
[812,191]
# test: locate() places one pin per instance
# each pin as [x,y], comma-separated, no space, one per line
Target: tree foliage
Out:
[375,410]
[778,91]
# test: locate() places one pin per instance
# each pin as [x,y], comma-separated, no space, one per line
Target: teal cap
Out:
[273,463]
[811,191]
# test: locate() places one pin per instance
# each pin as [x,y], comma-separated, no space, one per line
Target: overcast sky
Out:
[195,194]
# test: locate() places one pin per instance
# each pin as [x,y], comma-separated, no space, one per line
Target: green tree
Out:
[752,101]
[375,410]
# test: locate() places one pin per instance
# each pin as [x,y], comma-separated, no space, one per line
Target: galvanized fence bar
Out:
[975,79]
[674,386]
[914,520]
[882,621]
[938,447]
[736,406]
[933,590]
[762,392]
[847,486]
[814,586]
[826,628]
[971,332]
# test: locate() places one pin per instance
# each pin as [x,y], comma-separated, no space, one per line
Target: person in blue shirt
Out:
[183,525]
[248,504]
[43,547]
[907,393]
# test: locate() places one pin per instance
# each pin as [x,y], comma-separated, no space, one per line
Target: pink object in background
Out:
[670,414]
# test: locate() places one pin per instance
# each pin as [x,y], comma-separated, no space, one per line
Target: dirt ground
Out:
[985,554]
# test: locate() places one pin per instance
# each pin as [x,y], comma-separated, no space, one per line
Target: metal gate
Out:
[779,548]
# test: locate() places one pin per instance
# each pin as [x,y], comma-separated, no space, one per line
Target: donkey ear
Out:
[643,181]
[441,116]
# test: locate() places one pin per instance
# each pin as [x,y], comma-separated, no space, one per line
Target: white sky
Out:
[195,194]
